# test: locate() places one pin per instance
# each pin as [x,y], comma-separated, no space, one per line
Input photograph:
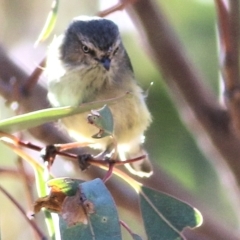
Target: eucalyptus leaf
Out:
[33,119]
[165,216]
[36,118]
[50,22]
[103,120]
[66,185]
[103,223]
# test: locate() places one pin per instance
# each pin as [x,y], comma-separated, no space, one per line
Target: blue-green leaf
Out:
[103,223]
[103,120]
[165,216]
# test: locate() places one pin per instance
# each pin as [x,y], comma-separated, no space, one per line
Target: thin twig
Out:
[19,207]
[126,227]
[58,151]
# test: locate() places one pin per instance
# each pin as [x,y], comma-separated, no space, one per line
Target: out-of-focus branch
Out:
[28,102]
[34,77]
[185,80]
[123,195]
[19,207]
[229,36]
[187,85]
[119,6]
[223,25]
[26,183]
[13,173]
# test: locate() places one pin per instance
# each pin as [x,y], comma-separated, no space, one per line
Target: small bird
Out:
[89,63]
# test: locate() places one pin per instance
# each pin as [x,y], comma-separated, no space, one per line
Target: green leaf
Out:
[36,118]
[164,216]
[69,186]
[103,223]
[102,119]
[50,22]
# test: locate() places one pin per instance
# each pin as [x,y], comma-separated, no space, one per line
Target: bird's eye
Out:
[85,49]
[115,51]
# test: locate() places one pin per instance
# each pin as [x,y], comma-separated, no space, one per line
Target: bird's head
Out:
[91,42]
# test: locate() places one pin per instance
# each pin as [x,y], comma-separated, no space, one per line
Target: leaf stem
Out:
[126,227]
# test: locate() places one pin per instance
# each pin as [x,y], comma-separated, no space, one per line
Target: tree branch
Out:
[229,36]
[186,82]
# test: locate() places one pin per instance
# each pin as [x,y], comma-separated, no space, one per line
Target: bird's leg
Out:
[109,155]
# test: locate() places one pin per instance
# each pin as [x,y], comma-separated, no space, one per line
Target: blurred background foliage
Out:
[168,141]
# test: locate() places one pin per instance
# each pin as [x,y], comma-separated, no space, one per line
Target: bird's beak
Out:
[106,62]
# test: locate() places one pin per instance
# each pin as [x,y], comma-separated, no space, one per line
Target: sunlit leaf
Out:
[36,118]
[50,22]
[103,223]
[69,186]
[60,188]
[164,216]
